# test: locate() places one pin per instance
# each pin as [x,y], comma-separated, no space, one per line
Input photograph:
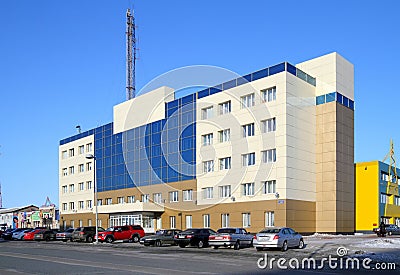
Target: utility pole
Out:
[130,55]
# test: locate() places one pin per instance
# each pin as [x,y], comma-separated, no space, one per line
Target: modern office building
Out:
[377,196]
[274,147]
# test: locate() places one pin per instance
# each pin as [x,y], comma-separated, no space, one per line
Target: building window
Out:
[65,225]
[89,166]
[81,204]
[268,125]
[64,189]
[157,197]
[65,172]
[269,218]
[269,187]
[384,198]
[64,154]
[248,130]
[64,207]
[208,166]
[71,188]
[73,224]
[173,196]
[89,147]
[249,159]
[246,219]
[206,220]
[72,206]
[269,94]
[71,152]
[207,139]
[108,201]
[188,221]
[208,192]
[81,186]
[397,200]
[225,163]
[81,149]
[225,108]
[248,189]
[188,195]
[225,191]
[225,220]
[130,199]
[89,222]
[207,113]
[89,204]
[172,222]
[89,185]
[99,202]
[145,198]
[99,222]
[269,156]
[81,168]
[247,101]
[120,200]
[224,135]
[72,170]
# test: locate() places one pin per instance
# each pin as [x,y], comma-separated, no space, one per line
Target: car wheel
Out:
[236,246]
[285,246]
[47,238]
[109,239]
[135,238]
[301,244]
[200,244]
[158,243]
[181,245]
[89,239]
[216,246]
[259,248]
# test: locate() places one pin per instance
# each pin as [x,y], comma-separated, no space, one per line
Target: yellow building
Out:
[377,196]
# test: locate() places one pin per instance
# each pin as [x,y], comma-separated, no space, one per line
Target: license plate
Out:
[263,239]
[181,237]
[219,238]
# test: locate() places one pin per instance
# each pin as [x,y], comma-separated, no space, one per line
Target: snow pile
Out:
[381,243]
[325,236]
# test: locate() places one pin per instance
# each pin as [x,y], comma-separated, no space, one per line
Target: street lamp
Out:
[93,157]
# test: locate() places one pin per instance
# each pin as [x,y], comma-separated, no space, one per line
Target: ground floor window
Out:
[206,220]
[385,220]
[397,221]
[80,223]
[246,219]
[65,225]
[225,220]
[188,221]
[172,222]
[73,224]
[89,222]
[269,218]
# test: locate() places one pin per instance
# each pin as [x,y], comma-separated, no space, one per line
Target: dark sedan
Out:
[46,235]
[160,238]
[194,237]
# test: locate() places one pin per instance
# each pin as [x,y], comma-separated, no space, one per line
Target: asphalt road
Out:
[23,257]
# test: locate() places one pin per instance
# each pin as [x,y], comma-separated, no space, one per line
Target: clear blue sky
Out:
[62,64]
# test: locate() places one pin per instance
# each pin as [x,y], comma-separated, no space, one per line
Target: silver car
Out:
[278,237]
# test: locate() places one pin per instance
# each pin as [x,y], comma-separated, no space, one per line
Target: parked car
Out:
[132,233]
[161,237]
[232,237]
[46,235]
[28,236]
[7,235]
[85,234]
[278,237]
[65,236]
[195,237]
[391,229]
[19,235]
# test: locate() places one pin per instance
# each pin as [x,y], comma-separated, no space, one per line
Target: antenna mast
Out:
[130,55]
[1,198]
[392,164]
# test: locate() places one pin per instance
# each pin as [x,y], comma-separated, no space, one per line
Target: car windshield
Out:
[270,231]
[226,230]
[110,229]
[70,230]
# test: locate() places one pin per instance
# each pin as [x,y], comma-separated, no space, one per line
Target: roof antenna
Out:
[130,55]
[79,129]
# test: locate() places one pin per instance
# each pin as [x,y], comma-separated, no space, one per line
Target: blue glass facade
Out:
[335,96]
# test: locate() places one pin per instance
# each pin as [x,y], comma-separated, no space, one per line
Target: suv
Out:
[85,234]
[133,233]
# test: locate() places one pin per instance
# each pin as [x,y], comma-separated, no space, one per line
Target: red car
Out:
[29,235]
[133,233]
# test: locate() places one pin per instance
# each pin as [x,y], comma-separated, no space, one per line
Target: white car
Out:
[278,237]
[19,235]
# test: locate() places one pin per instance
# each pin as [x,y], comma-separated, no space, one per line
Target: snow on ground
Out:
[380,243]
